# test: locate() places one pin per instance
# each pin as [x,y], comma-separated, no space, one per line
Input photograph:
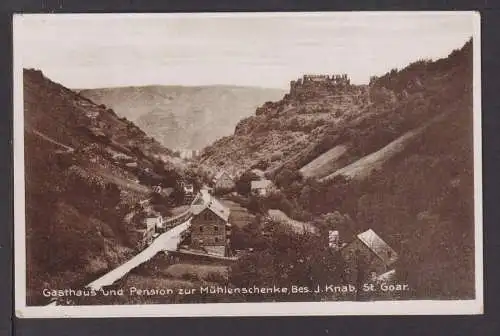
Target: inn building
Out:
[210,227]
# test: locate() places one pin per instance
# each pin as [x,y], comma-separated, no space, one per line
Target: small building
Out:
[261,187]
[147,231]
[367,256]
[210,228]
[334,240]
[131,164]
[223,181]
[159,223]
[165,192]
[188,191]
[188,188]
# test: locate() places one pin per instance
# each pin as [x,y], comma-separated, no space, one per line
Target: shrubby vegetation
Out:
[75,216]
[76,200]
[284,259]
[243,183]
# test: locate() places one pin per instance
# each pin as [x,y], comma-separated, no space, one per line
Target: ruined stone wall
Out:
[319,86]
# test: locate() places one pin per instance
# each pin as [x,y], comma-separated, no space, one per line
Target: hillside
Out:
[184,117]
[320,113]
[396,156]
[86,168]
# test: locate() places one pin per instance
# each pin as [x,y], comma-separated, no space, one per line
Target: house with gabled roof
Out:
[210,227]
[223,181]
[367,256]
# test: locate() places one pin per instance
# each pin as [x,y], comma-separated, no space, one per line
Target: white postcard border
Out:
[415,307]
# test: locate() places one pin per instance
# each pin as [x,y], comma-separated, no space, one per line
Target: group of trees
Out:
[284,258]
[303,198]
[243,183]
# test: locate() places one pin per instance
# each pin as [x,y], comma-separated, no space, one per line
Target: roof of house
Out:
[260,184]
[210,202]
[220,174]
[378,246]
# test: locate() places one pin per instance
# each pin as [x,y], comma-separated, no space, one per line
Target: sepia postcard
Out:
[247,164]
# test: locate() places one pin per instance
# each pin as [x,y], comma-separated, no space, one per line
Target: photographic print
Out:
[247,164]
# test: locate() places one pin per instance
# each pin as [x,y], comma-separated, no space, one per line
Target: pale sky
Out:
[253,49]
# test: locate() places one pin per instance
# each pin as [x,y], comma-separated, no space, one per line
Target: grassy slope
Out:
[324,163]
[374,161]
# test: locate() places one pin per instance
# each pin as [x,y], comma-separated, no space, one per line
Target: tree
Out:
[336,221]
[243,184]
[287,176]
[288,259]
[305,196]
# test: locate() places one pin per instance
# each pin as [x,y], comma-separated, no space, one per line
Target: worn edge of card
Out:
[410,307]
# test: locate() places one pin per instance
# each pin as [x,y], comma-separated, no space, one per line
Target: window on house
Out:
[216,228]
[216,239]
[201,228]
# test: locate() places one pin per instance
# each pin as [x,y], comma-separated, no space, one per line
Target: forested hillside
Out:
[395,156]
[86,168]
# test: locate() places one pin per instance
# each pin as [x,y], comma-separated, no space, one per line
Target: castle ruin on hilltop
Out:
[322,85]
[313,93]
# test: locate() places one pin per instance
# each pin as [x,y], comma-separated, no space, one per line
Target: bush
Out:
[190,276]
[243,184]
[216,277]
[287,176]
[261,165]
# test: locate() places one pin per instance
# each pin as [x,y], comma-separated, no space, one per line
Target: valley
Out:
[184,118]
[283,188]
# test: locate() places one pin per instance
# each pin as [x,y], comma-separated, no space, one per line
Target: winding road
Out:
[167,241]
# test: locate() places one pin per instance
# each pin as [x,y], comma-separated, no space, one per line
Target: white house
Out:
[223,181]
[261,187]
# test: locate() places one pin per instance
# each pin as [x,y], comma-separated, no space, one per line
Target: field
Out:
[201,272]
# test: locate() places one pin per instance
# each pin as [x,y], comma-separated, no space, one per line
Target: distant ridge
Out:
[188,117]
